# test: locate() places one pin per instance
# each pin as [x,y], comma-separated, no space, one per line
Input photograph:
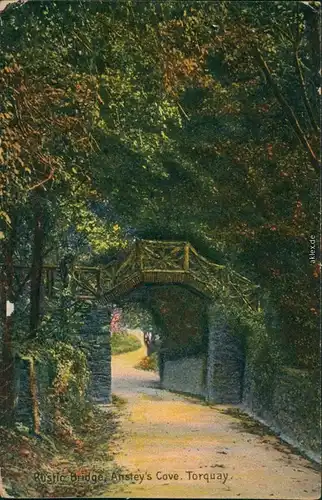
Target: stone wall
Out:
[185,375]
[287,400]
[293,409]
[225,364]
[94,338]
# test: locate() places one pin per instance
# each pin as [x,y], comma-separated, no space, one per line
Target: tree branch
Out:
[304,93]
[27,278]
[50,176]
[287,109]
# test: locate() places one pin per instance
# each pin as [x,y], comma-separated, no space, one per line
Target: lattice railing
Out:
[160,255]
[151,262]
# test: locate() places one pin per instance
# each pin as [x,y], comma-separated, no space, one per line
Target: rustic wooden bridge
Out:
[153,262]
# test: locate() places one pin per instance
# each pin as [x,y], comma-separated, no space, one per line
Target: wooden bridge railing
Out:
[150,262]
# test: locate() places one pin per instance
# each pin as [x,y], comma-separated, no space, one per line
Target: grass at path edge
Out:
[124,342]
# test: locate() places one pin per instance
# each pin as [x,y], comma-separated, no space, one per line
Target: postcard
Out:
[160,249]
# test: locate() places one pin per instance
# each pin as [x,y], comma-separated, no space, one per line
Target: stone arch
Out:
[175,265]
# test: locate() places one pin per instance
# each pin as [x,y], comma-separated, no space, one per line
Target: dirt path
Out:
[181,448]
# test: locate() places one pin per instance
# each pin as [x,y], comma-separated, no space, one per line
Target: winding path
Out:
[182,448]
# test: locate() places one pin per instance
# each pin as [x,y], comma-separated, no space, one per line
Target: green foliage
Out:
[180,317]
[148,363]
[265,367]
[67,365]
[122,342]
[249,181]
[135,315]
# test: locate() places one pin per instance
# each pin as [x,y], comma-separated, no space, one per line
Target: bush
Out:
[121,343]
[149,363]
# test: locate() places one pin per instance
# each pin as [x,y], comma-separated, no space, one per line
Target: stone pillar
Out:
[96,337]
[23,410]
[23,402]
[225,364]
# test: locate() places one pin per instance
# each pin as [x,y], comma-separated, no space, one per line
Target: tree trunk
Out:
[35,298]
[36,266]
[7,373]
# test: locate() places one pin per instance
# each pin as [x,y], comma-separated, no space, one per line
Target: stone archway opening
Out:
[198,353]
[179,318]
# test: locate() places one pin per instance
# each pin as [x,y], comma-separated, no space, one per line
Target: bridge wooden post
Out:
[139,254]
[186,257]
[98,282]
